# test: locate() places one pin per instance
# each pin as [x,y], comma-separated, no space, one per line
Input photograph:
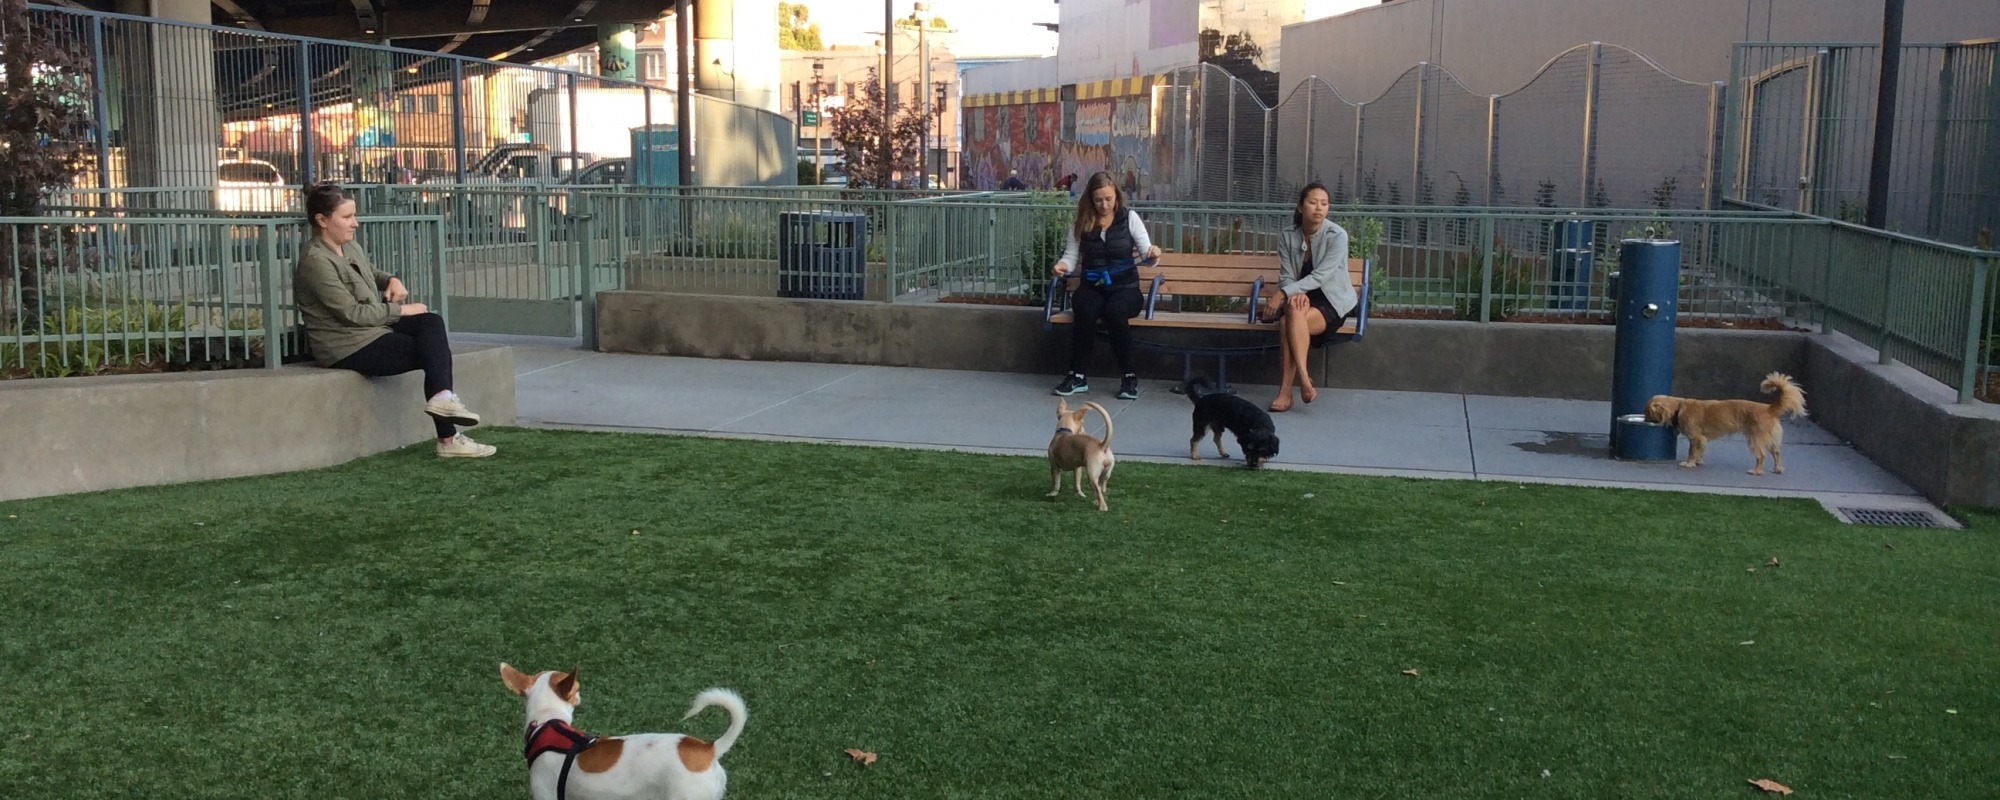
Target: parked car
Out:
[833,175]
[247,184]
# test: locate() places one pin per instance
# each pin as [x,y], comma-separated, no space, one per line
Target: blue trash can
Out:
[1642,364]
[822,254]
[1569,271]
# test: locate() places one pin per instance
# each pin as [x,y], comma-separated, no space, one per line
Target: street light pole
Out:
[819,65]
[943,89]
[923,91]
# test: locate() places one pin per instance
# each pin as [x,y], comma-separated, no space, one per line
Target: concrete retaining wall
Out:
[65,435]
[1524,360]
[1904,421]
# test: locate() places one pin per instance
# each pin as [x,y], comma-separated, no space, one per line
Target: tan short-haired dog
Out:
[1703,420]
[1072,449]
[567,764]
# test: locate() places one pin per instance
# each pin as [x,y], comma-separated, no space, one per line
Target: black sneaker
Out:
[1128,389]
[1072,384]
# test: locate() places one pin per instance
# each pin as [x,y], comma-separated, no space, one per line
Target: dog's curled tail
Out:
[1194,388]
[1790,400]
[1107,421]
[727,701]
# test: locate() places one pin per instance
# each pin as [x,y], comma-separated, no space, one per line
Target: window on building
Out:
[978,116]
[430,104]
[406,104]
[652,65]
[1069,113]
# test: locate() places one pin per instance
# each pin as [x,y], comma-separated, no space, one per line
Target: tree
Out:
[44,110]
[796,30]
[44,132]
[857,126]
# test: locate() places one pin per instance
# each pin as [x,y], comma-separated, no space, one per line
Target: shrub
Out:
[1051,215]
[1513,280]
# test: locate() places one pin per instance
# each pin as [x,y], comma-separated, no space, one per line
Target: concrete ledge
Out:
[1509,359]
[1906,422]
[1893,415]
[65,435]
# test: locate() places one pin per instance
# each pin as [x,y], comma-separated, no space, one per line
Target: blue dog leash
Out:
[1102,276]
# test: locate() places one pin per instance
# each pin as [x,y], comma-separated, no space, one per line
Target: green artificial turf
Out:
[1219,633]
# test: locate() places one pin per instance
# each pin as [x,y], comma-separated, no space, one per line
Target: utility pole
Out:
[888,92]
[1885,114]
[923,91]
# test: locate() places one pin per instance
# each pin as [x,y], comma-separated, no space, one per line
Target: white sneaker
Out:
[462,446]
[452,410]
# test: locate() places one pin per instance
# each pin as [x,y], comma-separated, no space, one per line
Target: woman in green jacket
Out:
[357,318]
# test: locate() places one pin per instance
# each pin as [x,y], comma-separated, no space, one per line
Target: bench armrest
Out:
[1256,296]
[1153,295]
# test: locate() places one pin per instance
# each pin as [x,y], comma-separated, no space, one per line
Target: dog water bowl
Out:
[1635,439]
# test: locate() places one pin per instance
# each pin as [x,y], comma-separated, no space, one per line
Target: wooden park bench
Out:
[1179,277]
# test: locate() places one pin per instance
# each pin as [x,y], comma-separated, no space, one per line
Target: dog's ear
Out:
[516,680]
[565,686]
[1062,407]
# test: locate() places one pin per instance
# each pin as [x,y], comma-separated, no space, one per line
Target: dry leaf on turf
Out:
[867,758]
[1411,672]
[1772,563]
[1771,786]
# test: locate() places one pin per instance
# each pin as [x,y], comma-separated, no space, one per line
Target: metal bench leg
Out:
[1222,374]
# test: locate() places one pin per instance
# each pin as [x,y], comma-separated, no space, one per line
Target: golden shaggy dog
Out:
[1703,420]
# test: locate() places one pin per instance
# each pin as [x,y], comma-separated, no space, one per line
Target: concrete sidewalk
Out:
[1409,434]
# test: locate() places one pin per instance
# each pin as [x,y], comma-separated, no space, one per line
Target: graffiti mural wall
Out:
[1012,137]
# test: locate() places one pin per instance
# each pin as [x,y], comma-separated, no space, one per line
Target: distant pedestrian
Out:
[1013,182]
[1067,183]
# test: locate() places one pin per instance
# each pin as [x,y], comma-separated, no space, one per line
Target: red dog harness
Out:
[557,736]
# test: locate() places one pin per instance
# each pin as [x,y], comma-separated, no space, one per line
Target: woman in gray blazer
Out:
[1315,296]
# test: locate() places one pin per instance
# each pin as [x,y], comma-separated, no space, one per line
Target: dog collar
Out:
[557,736]
[1064,430]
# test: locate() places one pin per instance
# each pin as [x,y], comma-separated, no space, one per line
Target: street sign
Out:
[809,118]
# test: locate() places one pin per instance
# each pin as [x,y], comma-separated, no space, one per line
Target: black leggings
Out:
[415,342]
[1115,306]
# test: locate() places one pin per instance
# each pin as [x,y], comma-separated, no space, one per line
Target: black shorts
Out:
[1334,320]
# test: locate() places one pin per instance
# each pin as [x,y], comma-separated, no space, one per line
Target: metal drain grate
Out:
[1891,517]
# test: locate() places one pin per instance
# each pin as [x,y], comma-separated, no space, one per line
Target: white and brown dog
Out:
[1072,449]
[567,764]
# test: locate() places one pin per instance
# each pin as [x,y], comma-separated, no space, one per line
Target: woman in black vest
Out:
[1104,245]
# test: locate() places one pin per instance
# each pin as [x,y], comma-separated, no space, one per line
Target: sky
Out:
[984,27]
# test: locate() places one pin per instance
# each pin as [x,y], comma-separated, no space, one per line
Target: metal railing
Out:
[514,252]
[81,296]
[1926,304]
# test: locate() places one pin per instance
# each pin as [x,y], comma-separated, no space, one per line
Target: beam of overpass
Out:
[435,21]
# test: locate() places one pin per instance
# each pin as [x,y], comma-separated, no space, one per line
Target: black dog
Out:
[1214,411]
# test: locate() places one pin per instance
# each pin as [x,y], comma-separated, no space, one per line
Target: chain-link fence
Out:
[1802,124]
[1599,126]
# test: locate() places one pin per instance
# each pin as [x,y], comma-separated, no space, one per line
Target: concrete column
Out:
[171,128]
[614,52]
[374,104]
[736,51]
